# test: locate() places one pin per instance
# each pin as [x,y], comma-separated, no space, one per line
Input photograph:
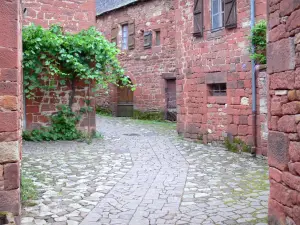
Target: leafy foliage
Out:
[28,190]
[103,111]
[53,57]
[258,39]
[63,127]
[155,116]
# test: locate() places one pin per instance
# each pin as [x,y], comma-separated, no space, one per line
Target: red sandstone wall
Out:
[45,103]
[284,104]
[10,105]
[224,55]
[74,15]
[144,66]
[262,110]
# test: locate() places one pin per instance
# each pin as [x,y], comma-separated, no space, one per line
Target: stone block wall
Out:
[145,67]
[220,56]
[262,110]
[73,15]
[45,104]
[10,106]
[284,107]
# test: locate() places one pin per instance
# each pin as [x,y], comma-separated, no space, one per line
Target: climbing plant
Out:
[258,39]
[53,57]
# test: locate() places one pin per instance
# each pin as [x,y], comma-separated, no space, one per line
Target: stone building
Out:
[214,71]
[200,45]
[145,33]
[284,101]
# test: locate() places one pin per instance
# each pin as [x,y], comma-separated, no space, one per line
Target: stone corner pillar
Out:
[10,106]
[284,111]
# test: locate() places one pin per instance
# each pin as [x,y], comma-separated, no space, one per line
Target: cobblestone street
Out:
[143,173]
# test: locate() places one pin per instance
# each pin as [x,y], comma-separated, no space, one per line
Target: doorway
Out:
[125,101]
[171,112]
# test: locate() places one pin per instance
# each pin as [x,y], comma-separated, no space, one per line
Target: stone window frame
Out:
[217,89]
[157,42]
[118,38]
[216,79]
[229,20]
[162,30]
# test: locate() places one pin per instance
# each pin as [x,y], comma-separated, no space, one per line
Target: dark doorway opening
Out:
[125,101]
[171,112]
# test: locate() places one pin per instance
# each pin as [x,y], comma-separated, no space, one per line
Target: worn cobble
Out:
[143,173]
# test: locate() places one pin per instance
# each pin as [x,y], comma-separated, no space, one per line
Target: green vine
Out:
[55,58]
[258,39]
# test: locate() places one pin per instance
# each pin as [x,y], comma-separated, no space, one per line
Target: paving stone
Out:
[145,179]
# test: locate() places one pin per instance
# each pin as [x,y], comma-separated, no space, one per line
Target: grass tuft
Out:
[28,191]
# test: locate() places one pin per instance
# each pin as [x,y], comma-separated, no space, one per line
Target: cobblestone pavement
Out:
[142,173]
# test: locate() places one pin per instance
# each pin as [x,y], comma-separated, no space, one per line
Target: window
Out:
[217,89]
[217,13]
[125,37]
[147,39]
[157,38]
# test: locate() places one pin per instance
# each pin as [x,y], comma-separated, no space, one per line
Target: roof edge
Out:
[120,7]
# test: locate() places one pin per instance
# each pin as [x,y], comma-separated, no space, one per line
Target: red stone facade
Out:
[45,104]
[219,56]
[147,68]
[74,15]
[10,106]
[284,108]
[262,92]
[197,63]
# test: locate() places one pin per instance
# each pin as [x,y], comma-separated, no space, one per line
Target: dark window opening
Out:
[217,89]
[171,113]
[25,12]
[157,38]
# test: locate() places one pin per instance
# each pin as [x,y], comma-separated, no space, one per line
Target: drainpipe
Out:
[254,110]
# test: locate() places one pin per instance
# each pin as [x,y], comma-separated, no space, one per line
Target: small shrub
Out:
[28,190]
[156,116]
[104,111]
[64,124]
[258,38]
[236,145]
[63,127]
